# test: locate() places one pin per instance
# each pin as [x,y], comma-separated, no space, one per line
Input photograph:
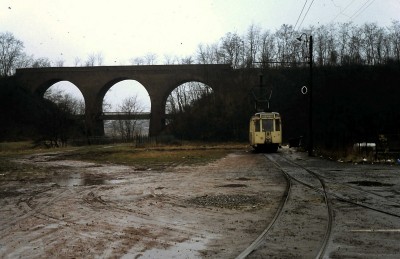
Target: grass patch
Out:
[13,171]
[123,154]
[149,157]
[12,149]
[22,147]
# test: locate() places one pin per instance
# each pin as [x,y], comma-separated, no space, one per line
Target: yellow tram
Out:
[265,133]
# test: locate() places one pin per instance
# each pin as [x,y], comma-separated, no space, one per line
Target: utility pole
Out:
[310,98]
[310,125]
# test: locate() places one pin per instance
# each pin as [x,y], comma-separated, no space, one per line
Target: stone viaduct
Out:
[158,80]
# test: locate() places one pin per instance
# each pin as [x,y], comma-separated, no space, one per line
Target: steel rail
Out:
[347,200]
[258,241]
[328,204]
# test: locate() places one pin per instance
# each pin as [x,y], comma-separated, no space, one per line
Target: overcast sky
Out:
[123,29]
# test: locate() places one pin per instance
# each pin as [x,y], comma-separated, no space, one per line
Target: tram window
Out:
[277,124]
[257,125]
[267,125]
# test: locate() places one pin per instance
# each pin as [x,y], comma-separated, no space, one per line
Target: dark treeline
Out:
[334,44]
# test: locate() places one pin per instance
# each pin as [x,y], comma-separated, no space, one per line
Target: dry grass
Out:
[156,156]
[123,154]
[126,154]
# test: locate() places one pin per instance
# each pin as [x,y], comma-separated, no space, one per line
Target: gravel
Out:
[234,201]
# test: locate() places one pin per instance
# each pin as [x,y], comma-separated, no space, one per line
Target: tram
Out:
[265,131]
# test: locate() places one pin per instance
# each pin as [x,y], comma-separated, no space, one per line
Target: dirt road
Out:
[91,210]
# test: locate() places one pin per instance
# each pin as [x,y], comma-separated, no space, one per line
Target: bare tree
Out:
[11,50]
[231,49]
[187,60]
[267,48]
[355,46]
[90,61]
[331,44]
[127,129]
[209,54]
[370,42]
[59,63]
[77,62]
[343,41]
[395,39]
[321,45]
[150,59]
[283,40]
[334,44]
[25,61]
[168,60]
[202,56]
[58,124]
[41,62]
[94,59]
[99,58]
[184,95]
[252,43]
[138,61]
[65,101]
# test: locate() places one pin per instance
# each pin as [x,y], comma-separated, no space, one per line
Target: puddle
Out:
[371,183]
[78,180]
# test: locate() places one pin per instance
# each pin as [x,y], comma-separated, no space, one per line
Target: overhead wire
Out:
[359,11]
[305,15]
[342,12]
[294,28]
[362,9]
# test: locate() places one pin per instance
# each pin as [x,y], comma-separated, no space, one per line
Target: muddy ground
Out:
[83,209]
[79,209]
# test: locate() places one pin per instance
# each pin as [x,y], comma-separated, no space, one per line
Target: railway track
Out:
[261,238]
[333,191]
[299,175]
[323,191]
[355,196]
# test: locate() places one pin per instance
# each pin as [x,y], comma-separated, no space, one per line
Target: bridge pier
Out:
[93,124]
[93,109]
[157,120]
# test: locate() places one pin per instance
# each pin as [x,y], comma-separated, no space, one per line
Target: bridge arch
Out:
[129,101]
[159,81]
[185,84]
[175,85]
[109,85]
[43,87]
[63,92]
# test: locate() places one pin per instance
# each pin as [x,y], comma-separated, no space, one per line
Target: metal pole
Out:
[310,141]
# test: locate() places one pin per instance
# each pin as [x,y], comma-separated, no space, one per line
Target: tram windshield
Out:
[267,125]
